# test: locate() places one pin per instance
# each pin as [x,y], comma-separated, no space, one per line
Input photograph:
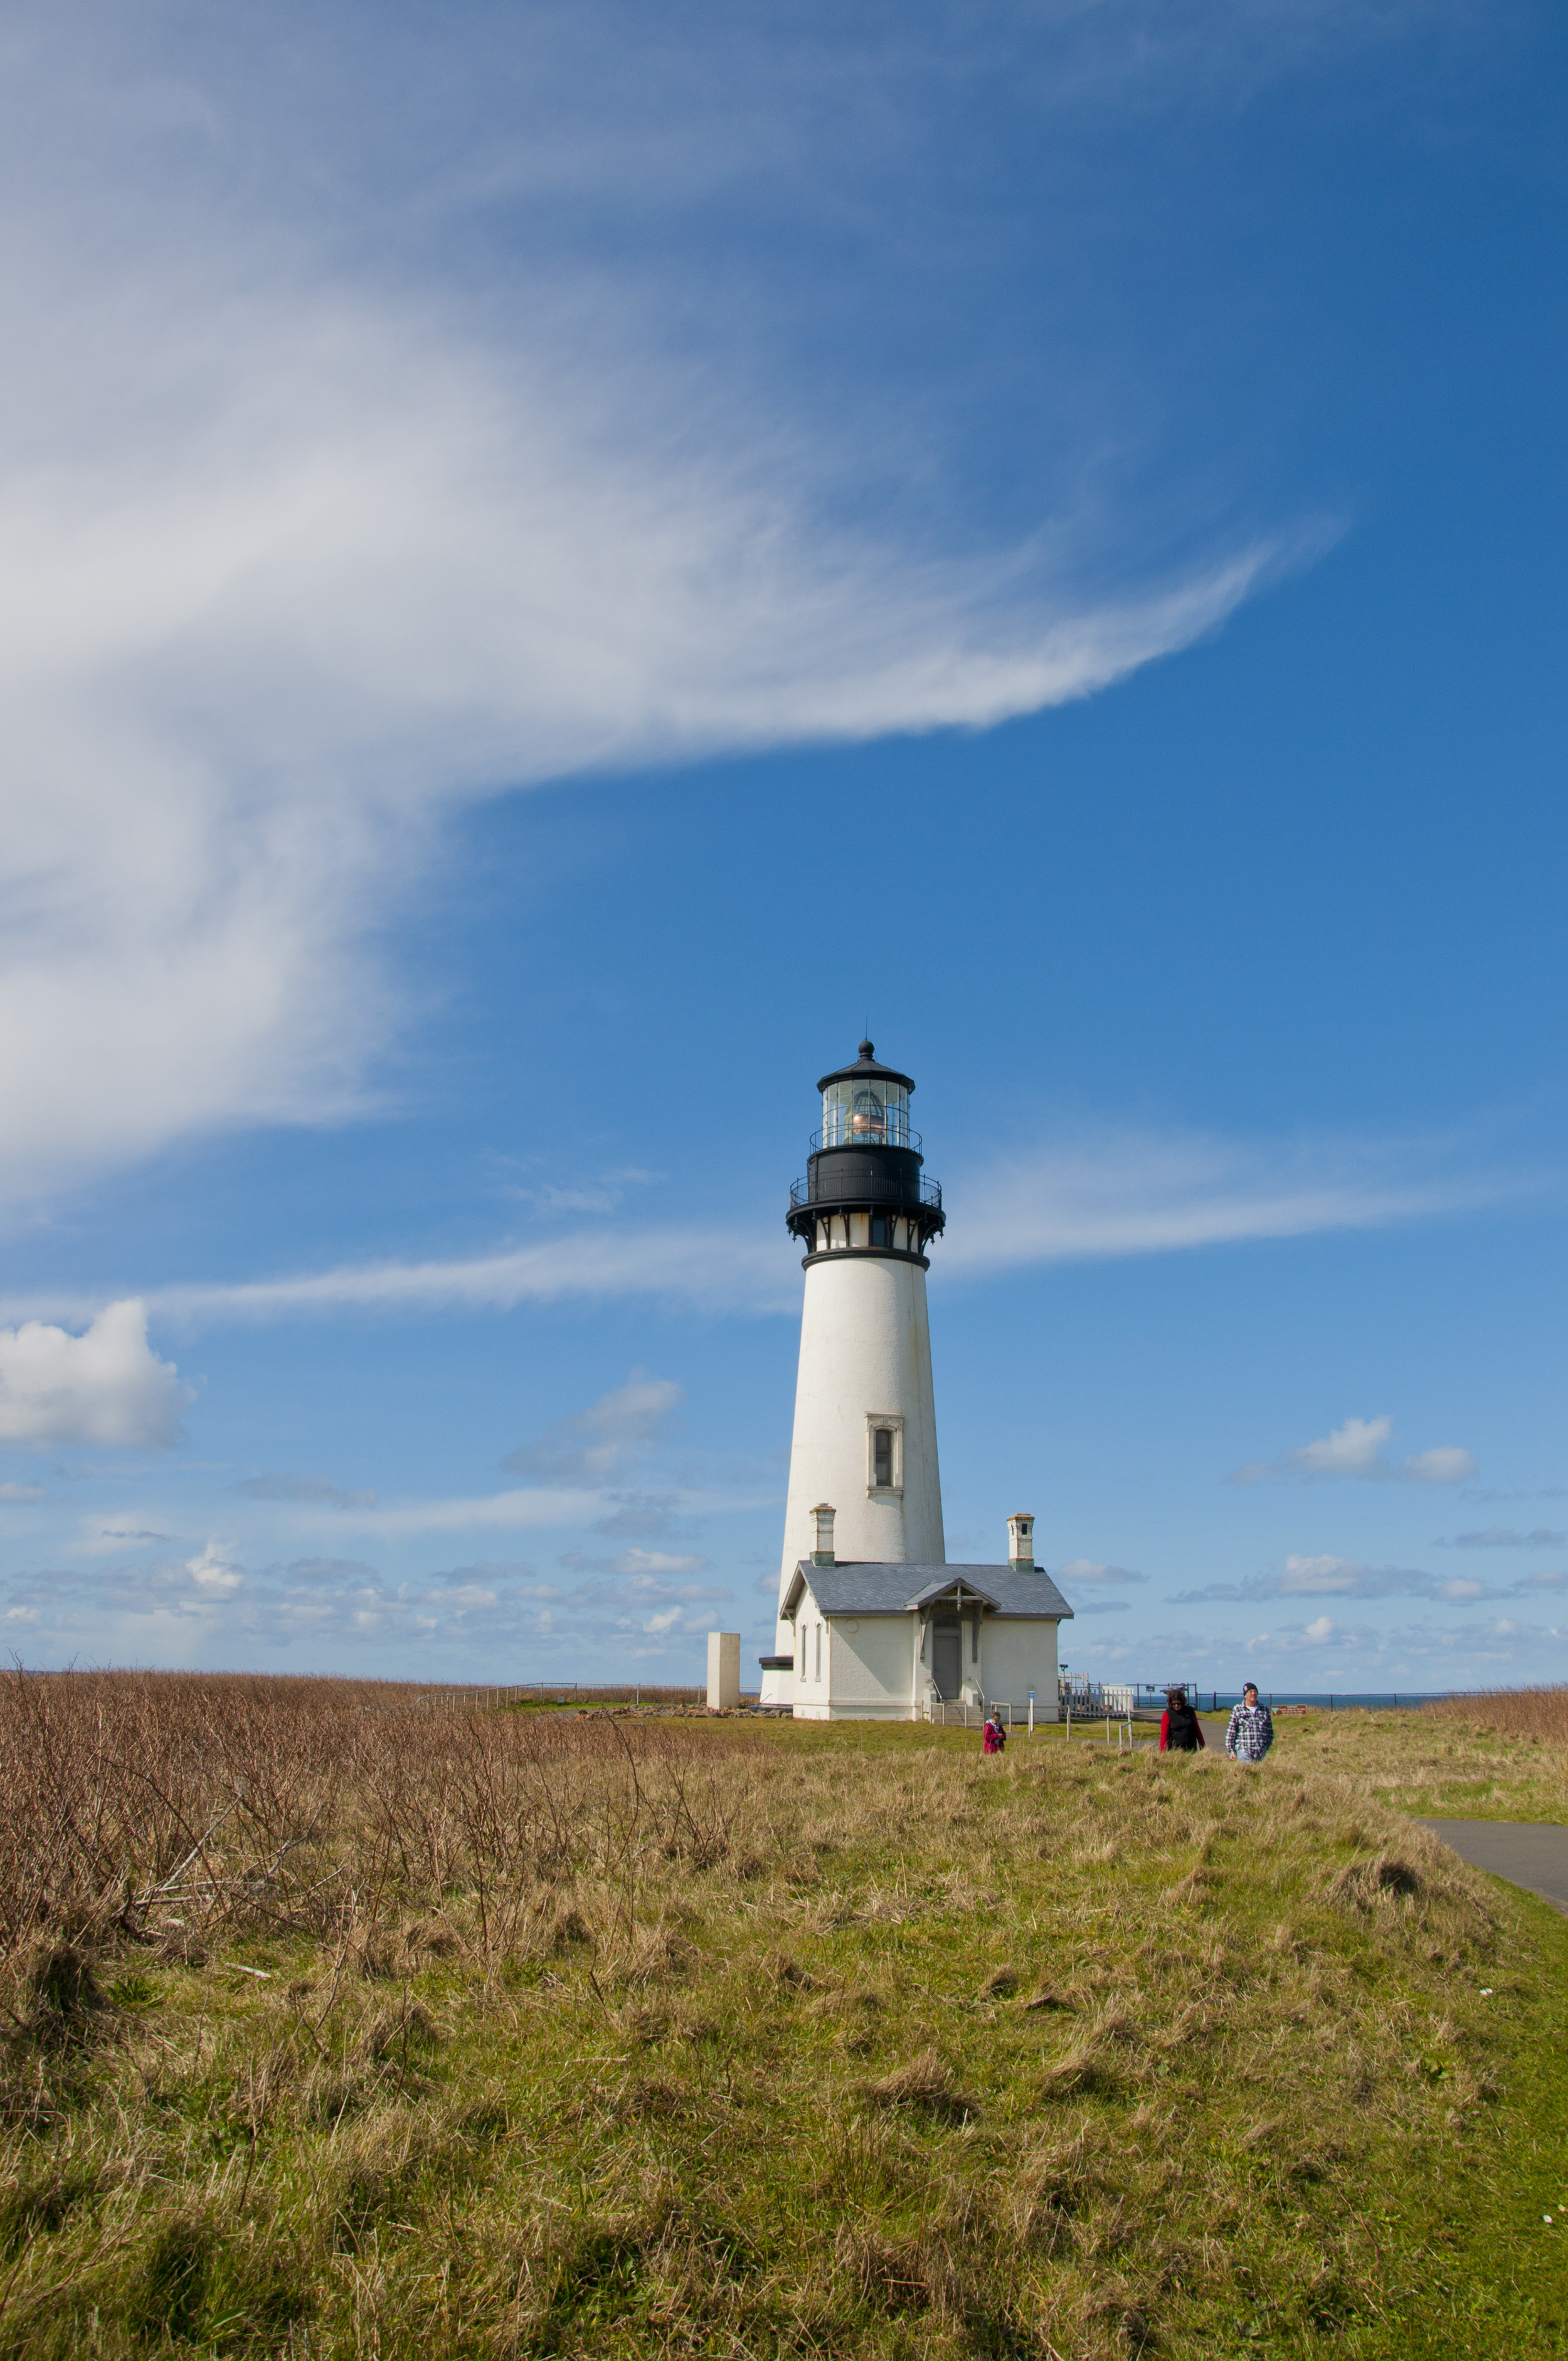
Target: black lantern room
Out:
[864,1191]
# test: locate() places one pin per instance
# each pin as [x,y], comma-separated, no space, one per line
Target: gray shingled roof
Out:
[868,1587]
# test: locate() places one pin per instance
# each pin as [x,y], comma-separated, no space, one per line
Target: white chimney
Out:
[1020,1542]
[822,1547]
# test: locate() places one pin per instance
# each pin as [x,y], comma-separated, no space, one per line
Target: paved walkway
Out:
[1531,1853]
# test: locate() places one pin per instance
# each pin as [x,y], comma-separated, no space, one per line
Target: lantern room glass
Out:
[865,1113]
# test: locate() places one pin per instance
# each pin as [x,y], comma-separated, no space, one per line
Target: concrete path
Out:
[1531,1853]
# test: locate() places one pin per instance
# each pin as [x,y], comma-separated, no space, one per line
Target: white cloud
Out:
[1110,1193]
[1357,1449]
[1089,1570]
[538,1506]
[600,1443]
[1353,1449]
[1319,1633]
[306,1487]
[214,1571]
[1447,1465]
[17,1494]
[210,1606]
[1341,1577]
[302,551]
[637,1560]
[714,1269]
[1135,1194]
[519,1511]
[106,1387]
[1506,1537]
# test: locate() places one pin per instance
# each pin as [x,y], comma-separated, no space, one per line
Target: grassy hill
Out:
[523,2033]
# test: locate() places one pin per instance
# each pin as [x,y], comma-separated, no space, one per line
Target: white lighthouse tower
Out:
[865,1417]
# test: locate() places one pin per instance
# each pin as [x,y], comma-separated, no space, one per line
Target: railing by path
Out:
[952,1713]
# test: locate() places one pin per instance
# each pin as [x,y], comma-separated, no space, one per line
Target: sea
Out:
[1330,1700]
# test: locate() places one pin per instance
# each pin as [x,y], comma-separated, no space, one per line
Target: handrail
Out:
[893,1133]
[876,1191]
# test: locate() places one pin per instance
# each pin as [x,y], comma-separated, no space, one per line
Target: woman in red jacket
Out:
[1181,1732]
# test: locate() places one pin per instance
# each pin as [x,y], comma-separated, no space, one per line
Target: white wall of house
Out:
[872,1666]
[868,1668]
[808,1639]
[1017,1655]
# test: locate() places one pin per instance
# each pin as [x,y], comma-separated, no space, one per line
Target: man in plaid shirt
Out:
[1251,1733]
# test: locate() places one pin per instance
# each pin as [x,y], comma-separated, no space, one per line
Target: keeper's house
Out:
[891,1641]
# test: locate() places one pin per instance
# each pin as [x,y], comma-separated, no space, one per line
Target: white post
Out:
[723,1670]
[1031,1713]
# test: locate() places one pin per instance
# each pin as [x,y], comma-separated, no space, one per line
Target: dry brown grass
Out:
[1516,1713]
[336,2032]
[178,1810]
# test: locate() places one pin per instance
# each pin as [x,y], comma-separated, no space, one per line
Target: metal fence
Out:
[952,1714]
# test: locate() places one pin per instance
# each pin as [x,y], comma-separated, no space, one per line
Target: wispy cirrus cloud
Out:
[715,1269]
[526,1508]
[349,480]
[317,1490]
[597,1445]
[657,1562]
[1108,1193]
[1128,1193]
[1506,1537]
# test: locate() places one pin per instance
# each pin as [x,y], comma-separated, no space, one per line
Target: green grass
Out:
[887,2050]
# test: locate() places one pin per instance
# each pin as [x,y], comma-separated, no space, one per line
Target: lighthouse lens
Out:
[865,1115]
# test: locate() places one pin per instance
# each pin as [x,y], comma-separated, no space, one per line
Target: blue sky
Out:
[562,564]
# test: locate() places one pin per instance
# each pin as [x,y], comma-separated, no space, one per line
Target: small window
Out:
[882,1455]
[880,1230]
[819,1651]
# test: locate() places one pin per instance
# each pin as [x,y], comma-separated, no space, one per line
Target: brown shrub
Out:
[1515,1713]
[174,1809]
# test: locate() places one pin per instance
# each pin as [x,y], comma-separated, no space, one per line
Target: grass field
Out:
[513,2033]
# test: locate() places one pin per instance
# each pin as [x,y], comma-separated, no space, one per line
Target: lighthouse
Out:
[871,1618]
[865,1411]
